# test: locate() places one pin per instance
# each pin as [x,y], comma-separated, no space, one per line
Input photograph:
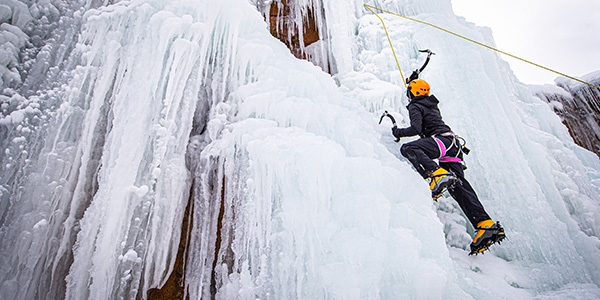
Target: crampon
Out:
[445,189]
[443,193]
[490,236]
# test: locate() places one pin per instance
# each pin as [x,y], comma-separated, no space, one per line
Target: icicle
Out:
[297,192]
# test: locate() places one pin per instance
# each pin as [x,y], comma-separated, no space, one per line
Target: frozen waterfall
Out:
[134,110]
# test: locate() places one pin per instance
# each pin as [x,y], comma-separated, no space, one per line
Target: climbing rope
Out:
[390,40]
[470,40]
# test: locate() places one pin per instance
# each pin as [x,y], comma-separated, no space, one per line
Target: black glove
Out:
[396,133]
[413,76]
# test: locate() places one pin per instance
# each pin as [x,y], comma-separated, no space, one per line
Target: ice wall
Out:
[30,224]
[525,167]
[93,217]
[296,191]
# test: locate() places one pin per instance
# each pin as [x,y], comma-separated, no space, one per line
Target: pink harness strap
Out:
[442,148]
[450,159]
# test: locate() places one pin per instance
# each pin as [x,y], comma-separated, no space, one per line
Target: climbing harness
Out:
[466,38]
[457,141]
[444,150]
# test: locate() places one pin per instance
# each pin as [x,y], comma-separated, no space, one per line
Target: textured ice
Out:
[296,191]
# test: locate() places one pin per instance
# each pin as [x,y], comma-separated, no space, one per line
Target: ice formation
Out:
[131,111]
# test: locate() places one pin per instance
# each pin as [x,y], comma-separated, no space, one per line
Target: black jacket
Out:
[425,118]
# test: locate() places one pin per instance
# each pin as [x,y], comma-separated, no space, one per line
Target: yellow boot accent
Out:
[437,176]
[440,181]
[483,225]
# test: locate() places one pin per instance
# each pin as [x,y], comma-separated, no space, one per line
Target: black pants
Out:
[421,154]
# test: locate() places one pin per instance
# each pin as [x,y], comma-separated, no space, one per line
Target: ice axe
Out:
[386,114]
[415,74]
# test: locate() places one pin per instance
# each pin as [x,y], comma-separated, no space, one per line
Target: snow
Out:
[165,102]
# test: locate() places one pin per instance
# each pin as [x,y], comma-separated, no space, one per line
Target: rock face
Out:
[299,25]
[282,26]
[579,109]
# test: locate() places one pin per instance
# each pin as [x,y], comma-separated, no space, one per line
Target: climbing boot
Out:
[441,180]
[487,233]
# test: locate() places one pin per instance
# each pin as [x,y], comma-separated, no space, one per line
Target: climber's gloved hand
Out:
[396,133]
[413,76]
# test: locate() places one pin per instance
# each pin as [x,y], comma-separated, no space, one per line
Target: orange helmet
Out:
[417,87]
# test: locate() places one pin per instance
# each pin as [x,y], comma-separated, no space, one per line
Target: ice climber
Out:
[439,142]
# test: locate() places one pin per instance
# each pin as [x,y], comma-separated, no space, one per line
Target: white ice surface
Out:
[313,197]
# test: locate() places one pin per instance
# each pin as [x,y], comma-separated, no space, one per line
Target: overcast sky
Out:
[558,34]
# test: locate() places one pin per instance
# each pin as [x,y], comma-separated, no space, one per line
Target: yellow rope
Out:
[390,40]
[476,42]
